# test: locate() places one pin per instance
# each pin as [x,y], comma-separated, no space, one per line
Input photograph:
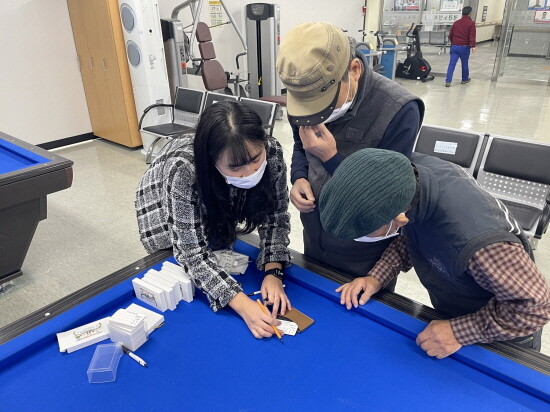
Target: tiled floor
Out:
[91,230]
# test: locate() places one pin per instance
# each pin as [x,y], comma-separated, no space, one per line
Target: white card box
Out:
[171,283]
[184,284]
[178,270]
[149,294]
[83,336]
[171,300]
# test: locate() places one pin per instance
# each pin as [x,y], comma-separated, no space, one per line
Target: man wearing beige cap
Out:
[337,105]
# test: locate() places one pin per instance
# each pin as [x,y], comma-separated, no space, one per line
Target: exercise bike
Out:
[414,67]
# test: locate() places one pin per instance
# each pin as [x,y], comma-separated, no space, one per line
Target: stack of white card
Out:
[164,289]
[232,262]
[152,321]
[128,328]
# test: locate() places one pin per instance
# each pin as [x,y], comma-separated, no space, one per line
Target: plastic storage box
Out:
[104,363]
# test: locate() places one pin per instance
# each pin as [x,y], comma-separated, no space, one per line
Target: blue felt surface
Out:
[205,361]
[13,157]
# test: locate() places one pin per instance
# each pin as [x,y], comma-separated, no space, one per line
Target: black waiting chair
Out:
[439,39]
[456,146]
[212,98]
[518,173]
[266,111]
[186,111]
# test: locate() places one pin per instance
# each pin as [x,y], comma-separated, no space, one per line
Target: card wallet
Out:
[294,315]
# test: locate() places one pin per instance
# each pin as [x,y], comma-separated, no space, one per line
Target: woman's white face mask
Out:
[246,182]
[388,234]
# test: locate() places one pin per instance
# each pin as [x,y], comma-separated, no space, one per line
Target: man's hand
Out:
[438,339]
[318,141]
[301,196]
[350,291]
[473,49]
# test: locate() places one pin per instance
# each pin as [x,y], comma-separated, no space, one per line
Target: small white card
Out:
[152,320]
[445,147]
[288,327]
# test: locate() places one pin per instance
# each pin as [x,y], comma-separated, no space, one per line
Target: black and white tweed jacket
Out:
[170,214]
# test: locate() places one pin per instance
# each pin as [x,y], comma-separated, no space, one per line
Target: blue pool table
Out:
[363,359]
[27,175]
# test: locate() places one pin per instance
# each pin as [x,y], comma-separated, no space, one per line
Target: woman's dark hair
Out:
[232,126]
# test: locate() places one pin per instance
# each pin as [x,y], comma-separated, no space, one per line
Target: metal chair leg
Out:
[534,242]
[151,149]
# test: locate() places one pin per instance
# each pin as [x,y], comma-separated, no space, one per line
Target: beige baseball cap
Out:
[312,60]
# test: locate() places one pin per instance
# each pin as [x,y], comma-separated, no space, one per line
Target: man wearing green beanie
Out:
[465,246]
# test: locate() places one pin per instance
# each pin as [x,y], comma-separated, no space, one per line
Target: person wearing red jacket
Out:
[463,39]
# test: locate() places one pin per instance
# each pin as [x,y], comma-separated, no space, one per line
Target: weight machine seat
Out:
[280,100]
[207,51]
[213,75]
[203,33]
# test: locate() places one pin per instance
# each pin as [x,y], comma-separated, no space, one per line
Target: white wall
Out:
[495,11]
[41,93]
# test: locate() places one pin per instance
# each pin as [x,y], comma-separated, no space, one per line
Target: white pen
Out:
[258,292]
[134,357]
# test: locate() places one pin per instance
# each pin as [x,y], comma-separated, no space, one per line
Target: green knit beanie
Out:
[369,189]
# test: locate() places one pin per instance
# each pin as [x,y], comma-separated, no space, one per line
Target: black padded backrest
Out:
[188,100]
[263,109]
[203,32]
[432,141]
[212,98]
[522,160]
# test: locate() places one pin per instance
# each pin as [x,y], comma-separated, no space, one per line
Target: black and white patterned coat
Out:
[170,214]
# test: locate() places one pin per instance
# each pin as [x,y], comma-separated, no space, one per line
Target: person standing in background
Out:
[463,39]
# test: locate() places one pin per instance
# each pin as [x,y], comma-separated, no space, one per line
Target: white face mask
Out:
[368,239]
[246,182]
[337,113]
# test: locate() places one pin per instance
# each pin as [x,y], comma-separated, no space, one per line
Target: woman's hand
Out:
[257,321]
[274,294]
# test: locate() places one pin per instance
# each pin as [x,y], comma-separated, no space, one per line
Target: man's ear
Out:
[355,69]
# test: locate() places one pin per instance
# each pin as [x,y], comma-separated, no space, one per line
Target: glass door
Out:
[523,53]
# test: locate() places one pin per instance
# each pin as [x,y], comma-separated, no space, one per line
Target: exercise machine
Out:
[263,36]
[179,40]
[384,58]
[414,67]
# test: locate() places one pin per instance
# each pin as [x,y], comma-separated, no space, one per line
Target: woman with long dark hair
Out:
[201,192]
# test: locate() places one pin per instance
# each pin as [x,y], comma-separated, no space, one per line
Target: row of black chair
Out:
[187,108]
[515,171]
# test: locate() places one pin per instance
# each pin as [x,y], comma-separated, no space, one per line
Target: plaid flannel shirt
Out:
[170,214]
[521,302]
